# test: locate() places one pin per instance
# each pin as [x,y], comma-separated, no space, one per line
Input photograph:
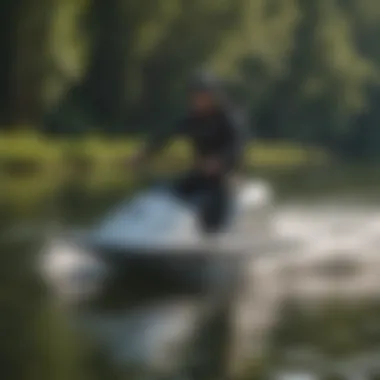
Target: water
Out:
[330,216]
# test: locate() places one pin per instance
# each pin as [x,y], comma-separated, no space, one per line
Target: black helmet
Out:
[205,81]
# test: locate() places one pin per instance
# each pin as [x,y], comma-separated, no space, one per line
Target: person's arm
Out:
[237,127]
[160,140]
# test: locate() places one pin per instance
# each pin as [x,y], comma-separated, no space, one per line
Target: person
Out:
[217,133]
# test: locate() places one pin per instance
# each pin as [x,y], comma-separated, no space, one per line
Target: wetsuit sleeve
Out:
[162,139]
[239,136]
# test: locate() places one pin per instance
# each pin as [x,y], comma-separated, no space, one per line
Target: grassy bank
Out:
[101,152]
[32,166]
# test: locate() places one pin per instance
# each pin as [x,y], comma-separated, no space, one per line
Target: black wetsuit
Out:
[222,134]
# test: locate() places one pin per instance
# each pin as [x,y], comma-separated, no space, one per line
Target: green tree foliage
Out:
[307,69]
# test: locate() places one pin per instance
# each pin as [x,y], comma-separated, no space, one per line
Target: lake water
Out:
[326,211]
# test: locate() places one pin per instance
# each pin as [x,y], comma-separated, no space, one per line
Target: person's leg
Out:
[215,210]
[214,198]
[189,185]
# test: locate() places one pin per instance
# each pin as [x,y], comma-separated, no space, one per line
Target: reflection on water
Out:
[340,339]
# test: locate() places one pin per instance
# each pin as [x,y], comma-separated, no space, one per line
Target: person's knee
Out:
[215,211]
[186,185]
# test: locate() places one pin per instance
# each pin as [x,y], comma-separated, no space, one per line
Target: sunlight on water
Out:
[309,253]
[324,237]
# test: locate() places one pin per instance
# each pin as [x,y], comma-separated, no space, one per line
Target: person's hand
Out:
[136,160]
[212,166]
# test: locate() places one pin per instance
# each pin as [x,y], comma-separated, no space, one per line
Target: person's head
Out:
[204,93]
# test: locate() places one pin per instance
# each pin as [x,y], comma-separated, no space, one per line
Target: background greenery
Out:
[307,70]
[83,81]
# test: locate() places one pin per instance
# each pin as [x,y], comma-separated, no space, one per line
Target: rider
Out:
[217,133]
